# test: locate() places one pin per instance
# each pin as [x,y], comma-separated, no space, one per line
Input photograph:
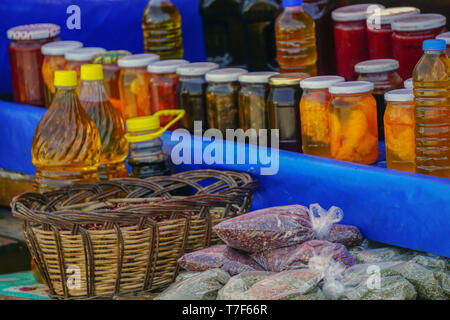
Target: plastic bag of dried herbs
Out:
[219,256]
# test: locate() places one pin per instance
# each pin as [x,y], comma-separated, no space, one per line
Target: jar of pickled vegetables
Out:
[133,84]
[163,86]
[383,74]
[399,129]
[111,73]
[379,30]
[284,115]
[222,98]
[445,36]
[253,111]
[408,84]
[409,33]
[191,92]
[314,109]
[353,122]
[25,60]
[54,60]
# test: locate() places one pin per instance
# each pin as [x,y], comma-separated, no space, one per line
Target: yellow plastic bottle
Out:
[108,120]
[66,144]
[296,39]
[431,79]
[161,25]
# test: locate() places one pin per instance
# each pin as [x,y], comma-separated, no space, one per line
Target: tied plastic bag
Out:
[322,220]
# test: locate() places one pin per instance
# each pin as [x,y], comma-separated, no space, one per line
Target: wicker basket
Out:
[125,235]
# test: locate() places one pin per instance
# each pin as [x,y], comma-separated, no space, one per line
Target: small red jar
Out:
[25,60]
[379,31]
[445,36]
[409,34]
[350,37]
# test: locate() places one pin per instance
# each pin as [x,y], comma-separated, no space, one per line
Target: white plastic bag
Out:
[322,220]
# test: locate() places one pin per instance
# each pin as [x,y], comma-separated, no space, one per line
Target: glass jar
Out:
[284,114]
[409,33]
[253,113]
[111,71]
[445,36]
[133,85]
[350,37]
[191,92]
[408,84]
[53,61]
[25,60]
[399,129]
[383,74]
[163,86]
[222,98]
[353,122]
[314,109]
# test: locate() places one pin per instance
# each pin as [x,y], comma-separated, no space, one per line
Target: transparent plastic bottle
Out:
[431,78]
[66,144]
[296,39]
[108,120]
[161,25]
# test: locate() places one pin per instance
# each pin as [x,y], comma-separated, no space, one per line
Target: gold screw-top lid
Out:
[65,78]
[109,57]
[288,78]
[91,72]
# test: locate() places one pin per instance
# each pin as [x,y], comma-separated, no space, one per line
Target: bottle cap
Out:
[196,68]
[408,84]
[291,3]
[320,82]
[165,66]
[109,57]
[256,77]
[355,12]
[351,87]
[59,48]
[82,54]
[33,31]
[147,123]
[65,78]
[444,36]
[399,95]
[377,65]
[137,60]
[434,45]
[387,16]
[416,22]
[91,72]
[284,79]
[225,75]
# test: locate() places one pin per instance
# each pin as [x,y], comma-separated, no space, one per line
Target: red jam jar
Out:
[350,36]
[25,60]
[409,34]
[379,31]
[445,36]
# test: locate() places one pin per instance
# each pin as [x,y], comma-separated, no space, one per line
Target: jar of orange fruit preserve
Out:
[353,122]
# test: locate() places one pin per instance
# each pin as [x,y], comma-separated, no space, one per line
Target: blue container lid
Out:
[434,45]
[292,3]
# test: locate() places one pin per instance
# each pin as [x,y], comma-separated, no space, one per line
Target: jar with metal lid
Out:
[253,112]
[353,122]
[445,36]
[111,71]
[53,61]
[383,74]
[25,60]
[399,129]
[409,34]
[163,86]
[314,110]
[350,36]
[379,31]
[408,84]
[133,84]
[222,98]
[191,92]
[284,114]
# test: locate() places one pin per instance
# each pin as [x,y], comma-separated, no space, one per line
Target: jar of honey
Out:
[445,36]
[353,122]
[191,92]
[222,98]
[383,74]
[284,114]
[133,84]
[399,130]
[314,109]
[54,60]
[25,60]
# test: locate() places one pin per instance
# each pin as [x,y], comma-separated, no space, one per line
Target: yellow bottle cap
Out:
[147,123]
[91,72]
[65,78]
